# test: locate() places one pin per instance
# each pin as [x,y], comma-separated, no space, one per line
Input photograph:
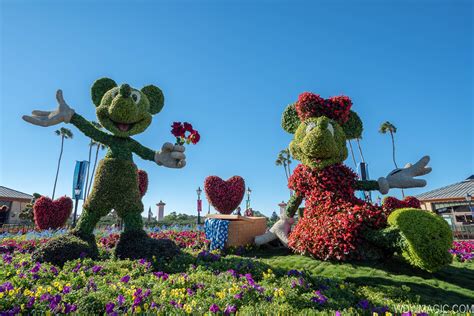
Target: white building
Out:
[15,201]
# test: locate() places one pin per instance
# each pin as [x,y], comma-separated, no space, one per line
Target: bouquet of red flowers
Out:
[185,133]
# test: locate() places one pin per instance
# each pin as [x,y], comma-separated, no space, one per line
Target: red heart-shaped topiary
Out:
[142,182]
[52,214]
[391,203]
[224,196]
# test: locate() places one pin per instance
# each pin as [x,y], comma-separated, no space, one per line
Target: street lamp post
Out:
[248,198]
[77,194]
[199,204]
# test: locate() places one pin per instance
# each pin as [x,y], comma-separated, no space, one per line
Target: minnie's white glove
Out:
[403,178]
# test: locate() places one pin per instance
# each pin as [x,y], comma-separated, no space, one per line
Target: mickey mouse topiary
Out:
[124,112]
[336,225]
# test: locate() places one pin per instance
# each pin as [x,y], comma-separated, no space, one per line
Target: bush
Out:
[427,238]
[59,250]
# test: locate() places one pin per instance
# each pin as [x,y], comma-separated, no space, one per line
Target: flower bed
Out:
[198,281]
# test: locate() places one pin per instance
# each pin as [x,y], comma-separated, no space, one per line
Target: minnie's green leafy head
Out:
[321,128]
[123,110]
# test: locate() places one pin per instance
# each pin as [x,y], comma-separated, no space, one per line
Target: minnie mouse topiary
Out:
[336,225]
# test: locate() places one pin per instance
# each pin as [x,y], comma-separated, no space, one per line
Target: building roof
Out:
[13,194]
[453,191]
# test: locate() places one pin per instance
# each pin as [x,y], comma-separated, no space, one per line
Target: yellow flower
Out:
[145,306]
[49,288]
[48,313]
[279,292]
[220,295]
[56,284]
[388,314]
[22,306]
[342,286]
[375,314]
[68,284]
[138,309]
[1,294]
[11,292]
[187,308]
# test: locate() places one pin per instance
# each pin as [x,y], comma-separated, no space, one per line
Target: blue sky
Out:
[230,68]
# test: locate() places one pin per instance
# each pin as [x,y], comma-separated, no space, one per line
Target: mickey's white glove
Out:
[171,156]
[48,118]
[403,178]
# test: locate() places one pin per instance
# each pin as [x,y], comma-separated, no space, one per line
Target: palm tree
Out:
[390,128]
[65,134]
[284,159]
[99,146]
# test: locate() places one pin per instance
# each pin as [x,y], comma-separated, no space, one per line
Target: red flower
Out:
[195,137]
[188,127]
[312,105]
[177,129]
[334,220]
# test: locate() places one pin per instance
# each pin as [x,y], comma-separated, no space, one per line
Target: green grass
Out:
[451,285]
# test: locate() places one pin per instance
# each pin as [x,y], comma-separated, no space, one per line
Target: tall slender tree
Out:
[64,133]
[387,127]
[99,146]
[284,159]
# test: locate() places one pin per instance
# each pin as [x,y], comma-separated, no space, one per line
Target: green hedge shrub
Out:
[290,120]
[427,238]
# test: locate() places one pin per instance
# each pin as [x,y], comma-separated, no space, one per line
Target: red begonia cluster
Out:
[51,214]
[391,203]
[312,105]
[334,219]
[224,196]
[142,182]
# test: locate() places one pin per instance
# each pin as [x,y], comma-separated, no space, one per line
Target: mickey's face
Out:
[125,111]
[319,142]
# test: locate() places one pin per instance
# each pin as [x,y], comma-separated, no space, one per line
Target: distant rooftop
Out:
[452,191]
[13,194]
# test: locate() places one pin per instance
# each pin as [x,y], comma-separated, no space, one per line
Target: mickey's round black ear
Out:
[100,87]
[353,127]
[290,120]
[156,98]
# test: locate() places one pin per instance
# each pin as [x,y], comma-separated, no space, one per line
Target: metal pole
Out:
[75,212]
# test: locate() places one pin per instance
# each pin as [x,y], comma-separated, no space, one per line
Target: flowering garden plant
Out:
[196,282]
[184,133]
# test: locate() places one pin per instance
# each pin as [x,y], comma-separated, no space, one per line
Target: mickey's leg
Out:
[134,242]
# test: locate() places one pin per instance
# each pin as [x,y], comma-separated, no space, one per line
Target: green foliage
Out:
[100,87]
[177,219]
[316,146]
[366,185]
[427,238]
[290,120]
[61,249]
[353,127]
[293,205]
[135,244]
[155,97]
[27,214]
